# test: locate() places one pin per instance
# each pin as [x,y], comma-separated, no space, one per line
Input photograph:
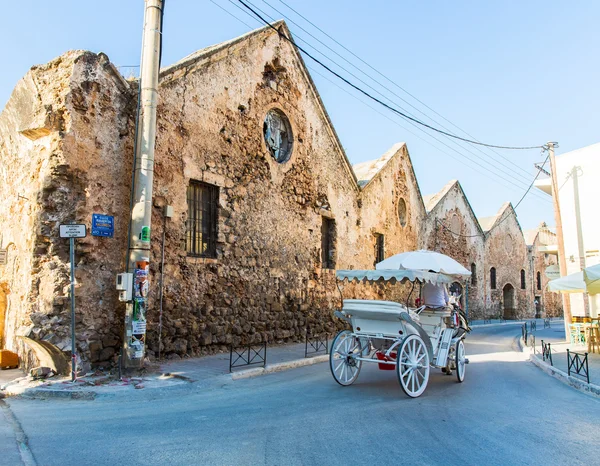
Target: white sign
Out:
[3,256]
[72,231]
[553,272]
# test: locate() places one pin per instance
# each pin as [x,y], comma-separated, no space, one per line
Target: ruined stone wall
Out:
[452,229]
[506,251]
[64,137]
[31,127]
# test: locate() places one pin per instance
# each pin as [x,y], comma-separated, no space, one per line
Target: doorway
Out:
[508,297]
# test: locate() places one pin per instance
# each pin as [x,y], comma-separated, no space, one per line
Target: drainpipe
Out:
[134,341]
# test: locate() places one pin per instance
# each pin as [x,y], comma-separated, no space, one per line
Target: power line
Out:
[422,139]
[476,161]
[524,177]
[503,219]
[522,183]
[540,168]
[396,84]
[389,107]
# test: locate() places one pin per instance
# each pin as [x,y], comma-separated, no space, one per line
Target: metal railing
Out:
[487,321]
[250,355]
[315,343]
[578,363]
[524,332]
[547,323]
[547,352]
[533,326]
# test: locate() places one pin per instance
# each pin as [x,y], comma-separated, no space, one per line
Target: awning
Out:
[400,275]
[573,283]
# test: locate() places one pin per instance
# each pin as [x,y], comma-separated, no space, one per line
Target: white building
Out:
[578,180]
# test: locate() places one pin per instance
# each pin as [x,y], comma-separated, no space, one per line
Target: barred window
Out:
[201,225]
[523,285]
[539,281]
[473,274]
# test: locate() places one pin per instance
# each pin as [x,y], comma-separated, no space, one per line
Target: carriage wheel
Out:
[460,360]
[413,366]
[344,367]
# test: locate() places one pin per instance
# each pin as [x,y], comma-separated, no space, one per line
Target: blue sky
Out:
[509,73]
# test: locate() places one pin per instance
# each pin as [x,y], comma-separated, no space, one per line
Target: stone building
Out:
[266,205]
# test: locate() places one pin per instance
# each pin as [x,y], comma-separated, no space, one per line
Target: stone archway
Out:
[508,298]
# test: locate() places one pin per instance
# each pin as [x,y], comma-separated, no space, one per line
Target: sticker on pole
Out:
[72,231]
[103,225]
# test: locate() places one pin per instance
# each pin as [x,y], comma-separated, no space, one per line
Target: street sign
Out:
[103,225]
[3,256]
[553,272]
[72,231]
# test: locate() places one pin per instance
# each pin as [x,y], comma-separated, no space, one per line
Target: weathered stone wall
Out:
[506,251]
[452,229]
[64,136]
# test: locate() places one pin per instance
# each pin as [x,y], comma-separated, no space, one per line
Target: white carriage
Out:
[411,341]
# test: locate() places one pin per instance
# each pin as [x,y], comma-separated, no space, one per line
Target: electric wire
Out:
[396,84]
[362,91]
[313,70]
[524,176]
[540,169]
[487,233]
[522,183]
[476,162]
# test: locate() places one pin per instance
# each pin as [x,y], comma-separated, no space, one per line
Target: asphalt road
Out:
[506,412]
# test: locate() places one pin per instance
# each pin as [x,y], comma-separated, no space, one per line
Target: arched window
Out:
[539,281]
[493,278]
[522,279]
[473,274]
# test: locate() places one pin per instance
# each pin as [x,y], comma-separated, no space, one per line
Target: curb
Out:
[278,367]
[41,393]
[499,324]
[590,389]
[90,395]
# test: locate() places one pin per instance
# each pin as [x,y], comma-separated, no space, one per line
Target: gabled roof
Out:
[366,171]
[431,200]
[530,236]
[488,223]
[277,27]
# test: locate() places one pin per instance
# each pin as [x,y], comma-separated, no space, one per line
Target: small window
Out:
[522,279]
[493,278]
[539,281]
[402,212]
[379,248]
[473,274]
[277,132]
[327,243]
[201,225]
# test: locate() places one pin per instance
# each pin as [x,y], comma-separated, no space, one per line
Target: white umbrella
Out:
[424,260]
[591,276]
[573,283]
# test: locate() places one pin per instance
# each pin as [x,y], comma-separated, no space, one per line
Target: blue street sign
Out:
[103,225]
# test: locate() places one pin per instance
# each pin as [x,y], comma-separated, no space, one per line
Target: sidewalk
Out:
[558,368]
[181,373]
[174,374]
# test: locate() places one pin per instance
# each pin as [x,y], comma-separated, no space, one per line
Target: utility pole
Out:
[134,341]
[559,234]
[580,246]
